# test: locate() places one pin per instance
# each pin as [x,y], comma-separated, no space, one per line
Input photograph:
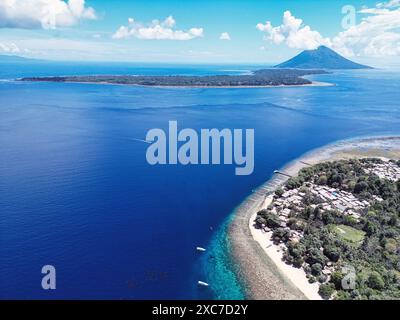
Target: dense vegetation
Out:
[371,245]
[271,77]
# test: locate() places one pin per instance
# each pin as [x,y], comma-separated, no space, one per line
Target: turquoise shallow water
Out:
[76,190]
[217,266]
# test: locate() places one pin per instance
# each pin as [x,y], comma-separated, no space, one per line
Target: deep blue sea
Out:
[76,191]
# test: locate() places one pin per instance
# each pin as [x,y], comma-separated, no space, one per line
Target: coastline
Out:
[258,264]
[312,84]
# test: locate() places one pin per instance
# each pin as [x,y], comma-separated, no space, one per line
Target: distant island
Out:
[321,58]
[289,73]
[259,78]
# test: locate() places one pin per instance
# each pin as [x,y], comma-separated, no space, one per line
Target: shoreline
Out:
[312,84]
[258,265]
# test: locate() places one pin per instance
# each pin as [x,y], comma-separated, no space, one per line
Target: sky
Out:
[206,31]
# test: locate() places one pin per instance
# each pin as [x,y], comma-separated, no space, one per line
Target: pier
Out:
[282,173]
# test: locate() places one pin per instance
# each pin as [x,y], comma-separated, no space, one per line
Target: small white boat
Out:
[200,249]
[201,283]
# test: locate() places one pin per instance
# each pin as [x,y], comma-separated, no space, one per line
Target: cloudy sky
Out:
[207,31]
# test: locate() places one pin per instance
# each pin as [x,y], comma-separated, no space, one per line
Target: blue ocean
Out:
[76,191]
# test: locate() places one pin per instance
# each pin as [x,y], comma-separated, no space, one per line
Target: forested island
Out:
[339,222]
[259,78]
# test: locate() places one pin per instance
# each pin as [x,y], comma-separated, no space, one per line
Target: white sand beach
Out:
[295,275]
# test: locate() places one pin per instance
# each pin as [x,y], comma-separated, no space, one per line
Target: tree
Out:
[308,198]
[360,187]
[327,217]
[316,256]
[393,220]
[260,221]
[272,220]
[332,253]
[351,185]
[281,233]
[306,212]
[370,228]
[293,183]
[326,290]
[349,221]
[336,279]
[279,192]
[296,250]
[317,213]
[322,180]
[375,281]
[298,262]
[292,223]
[322,278]
[316,269]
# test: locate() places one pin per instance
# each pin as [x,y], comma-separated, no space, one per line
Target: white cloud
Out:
[170,22]
[156,30]
[46,14]
[9,48]
[88,49]
[225,36]
[389,4]
[49,47]
[293,33]
[376,35]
